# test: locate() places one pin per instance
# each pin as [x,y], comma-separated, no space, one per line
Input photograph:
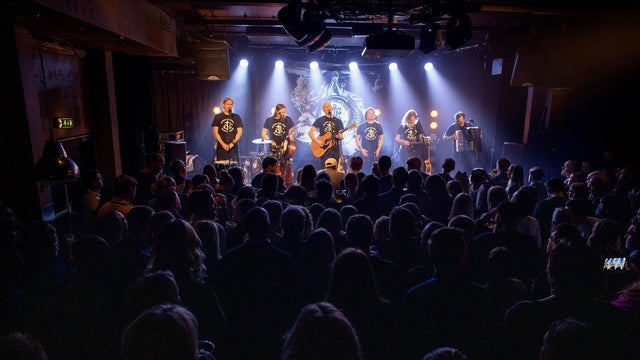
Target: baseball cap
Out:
[330,162]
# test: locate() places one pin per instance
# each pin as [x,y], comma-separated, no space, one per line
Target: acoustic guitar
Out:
[328,141]
[427,162]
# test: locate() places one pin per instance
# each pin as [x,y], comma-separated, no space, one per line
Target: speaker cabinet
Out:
[212,61]
[174,150]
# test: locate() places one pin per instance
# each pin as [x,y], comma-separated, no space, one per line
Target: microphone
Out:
[329,113]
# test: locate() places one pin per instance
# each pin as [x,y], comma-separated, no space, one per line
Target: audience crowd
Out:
[381,264]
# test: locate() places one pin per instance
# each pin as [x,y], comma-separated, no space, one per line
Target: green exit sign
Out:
[65,123]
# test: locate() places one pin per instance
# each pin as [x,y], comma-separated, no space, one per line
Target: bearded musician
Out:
[410,137]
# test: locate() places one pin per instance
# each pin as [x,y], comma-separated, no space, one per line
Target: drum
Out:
[224,165]
[474,139]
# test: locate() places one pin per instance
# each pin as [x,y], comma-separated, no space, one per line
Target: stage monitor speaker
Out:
[212,61]
[514,152]
[174,150]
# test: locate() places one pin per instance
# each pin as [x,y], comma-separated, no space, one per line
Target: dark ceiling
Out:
[254,23]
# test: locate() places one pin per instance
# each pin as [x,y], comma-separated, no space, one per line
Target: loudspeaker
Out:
[557,105]
[514,152]
[212,61]
[174,150]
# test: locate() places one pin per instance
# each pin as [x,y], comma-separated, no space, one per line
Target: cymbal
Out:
[260,141]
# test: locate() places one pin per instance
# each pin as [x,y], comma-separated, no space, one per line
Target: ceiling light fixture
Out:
[306,28]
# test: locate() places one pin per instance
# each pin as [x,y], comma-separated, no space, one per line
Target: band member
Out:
[327,144]
[462,153]
[369,139]
[227,129]
[410,137]
[279,129]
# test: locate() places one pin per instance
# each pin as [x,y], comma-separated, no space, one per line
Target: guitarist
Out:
[330,130]
[410,136]
[369,139]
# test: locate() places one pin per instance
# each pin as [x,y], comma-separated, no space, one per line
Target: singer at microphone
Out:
[227,130]
[325,134]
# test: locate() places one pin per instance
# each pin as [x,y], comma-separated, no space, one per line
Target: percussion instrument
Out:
[260,141]
[224,165]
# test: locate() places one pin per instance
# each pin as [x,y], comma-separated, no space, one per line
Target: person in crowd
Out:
[543,211]
[369,139]
[269,165]
[448,165]
[330,134]
[18,345]
[410,137]
[516,179]
[448,309]
[212,173]
[384,168]
[398,186]
[568,168]
[354,290]
[91,199]
[147,177]
[163,332]
[500,175]
[178,248]
[371,203]
[321,331]
[227,130]
[504,290]
[316,264]
[389,276]
[125,188]
[269,296]
[336,175]
[178,171]
[403,245]
[536,179]
[576,277]
[437,205]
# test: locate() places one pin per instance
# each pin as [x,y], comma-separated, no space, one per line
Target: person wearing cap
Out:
[337,176]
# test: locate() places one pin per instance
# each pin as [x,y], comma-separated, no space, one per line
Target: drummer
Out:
[279,129]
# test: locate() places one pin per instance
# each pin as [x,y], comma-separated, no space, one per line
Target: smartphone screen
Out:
[613,264]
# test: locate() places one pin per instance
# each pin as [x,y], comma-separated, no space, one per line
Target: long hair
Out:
[410,112]
[278,108]
[321,332]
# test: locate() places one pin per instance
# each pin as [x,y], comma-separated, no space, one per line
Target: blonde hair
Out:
[409,113]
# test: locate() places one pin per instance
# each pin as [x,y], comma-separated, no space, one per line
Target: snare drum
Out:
[224,165]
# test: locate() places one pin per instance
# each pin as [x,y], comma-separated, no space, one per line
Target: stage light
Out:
[216,110]
[393,66]
[433,125]
[244,63]
[428,66]
[307,29]
[353,65]
[279,64]
[377,111]
[313,65]
[433,113]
